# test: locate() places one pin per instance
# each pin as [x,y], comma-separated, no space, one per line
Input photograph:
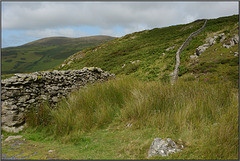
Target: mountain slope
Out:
[45,53]
[119,119]
[150,54]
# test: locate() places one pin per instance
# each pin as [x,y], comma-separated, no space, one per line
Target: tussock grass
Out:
[204,116]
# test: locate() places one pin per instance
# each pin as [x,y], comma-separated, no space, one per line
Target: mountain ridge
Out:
[45,53]
[44,41]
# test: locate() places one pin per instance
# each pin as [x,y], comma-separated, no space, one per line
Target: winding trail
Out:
[182,47]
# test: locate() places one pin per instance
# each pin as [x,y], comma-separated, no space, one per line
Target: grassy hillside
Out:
[155,63]
[120,118]
[45,53]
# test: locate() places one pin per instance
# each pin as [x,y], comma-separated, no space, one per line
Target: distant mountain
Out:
[45,53]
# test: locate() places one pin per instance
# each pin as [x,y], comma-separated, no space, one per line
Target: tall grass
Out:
[203,115]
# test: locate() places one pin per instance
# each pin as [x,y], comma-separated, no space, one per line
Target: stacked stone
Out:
[24,91]
[174,74]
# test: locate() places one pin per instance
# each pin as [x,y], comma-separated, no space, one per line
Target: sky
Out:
[23,22]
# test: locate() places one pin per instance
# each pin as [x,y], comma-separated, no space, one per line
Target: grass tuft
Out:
[192,111]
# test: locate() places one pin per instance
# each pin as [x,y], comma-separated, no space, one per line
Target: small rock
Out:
[193,56]
[44,97]
[24,98]
[212,41]
[226,46]
[236,53]
[132,62]
[221,35]
[235,39]
[50,151]
[31,100]
[69,62]
[13,137]
[170,48]
[223,38]
[54,99]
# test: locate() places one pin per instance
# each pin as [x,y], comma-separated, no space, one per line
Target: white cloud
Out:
[44,19]
[39,15]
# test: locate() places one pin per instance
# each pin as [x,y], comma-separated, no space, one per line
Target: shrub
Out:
[182,70]
[131,68]
[165,78]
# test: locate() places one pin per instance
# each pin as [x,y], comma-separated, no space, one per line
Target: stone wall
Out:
[24,91]
[179,51]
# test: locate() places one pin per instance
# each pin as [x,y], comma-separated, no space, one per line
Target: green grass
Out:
[148,46]
[94,119]
[200,111]
[45,53]
[5,76]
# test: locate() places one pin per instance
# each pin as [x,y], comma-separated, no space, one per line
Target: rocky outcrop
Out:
[222,36]
[24,91]
[212,40]
[231,42]
[176,70]
[201,49]
[163,147]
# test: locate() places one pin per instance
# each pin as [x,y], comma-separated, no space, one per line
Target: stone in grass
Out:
[51,151]
[13,137]
[163,147]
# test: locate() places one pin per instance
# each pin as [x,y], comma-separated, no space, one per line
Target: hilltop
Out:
[45,53]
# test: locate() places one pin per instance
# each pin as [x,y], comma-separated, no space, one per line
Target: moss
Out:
[39,77]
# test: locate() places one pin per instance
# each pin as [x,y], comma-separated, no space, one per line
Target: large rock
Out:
[201,49]
[163,147]
[235,39]
[212,41]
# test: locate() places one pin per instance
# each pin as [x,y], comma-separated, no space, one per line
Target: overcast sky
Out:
[23,22]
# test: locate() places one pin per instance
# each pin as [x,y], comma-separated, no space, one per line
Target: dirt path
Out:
[15,148]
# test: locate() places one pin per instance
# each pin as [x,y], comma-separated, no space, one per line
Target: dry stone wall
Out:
[185,44]
[24,91]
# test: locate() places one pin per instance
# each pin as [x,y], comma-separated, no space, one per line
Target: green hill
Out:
[45,53]
[120,118]
[146,54]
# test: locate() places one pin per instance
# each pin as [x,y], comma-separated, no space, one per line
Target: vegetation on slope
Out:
[129,114]
[120,118]
[45,53]
[155,63]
